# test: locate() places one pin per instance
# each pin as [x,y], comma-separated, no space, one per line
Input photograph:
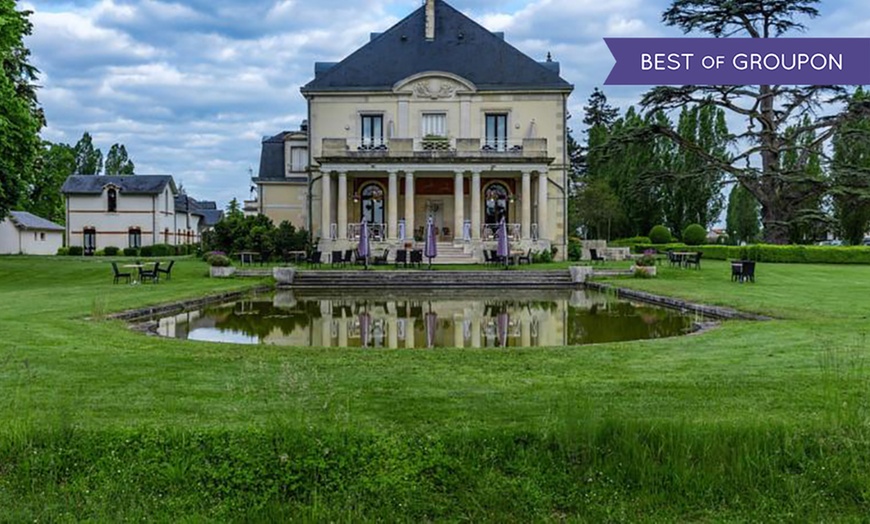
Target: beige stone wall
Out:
[282,202]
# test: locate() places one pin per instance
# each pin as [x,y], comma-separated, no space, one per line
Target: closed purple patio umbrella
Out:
[365,327]
[431,321]
[364,249]
[430,249]
[503,249]
[501,326]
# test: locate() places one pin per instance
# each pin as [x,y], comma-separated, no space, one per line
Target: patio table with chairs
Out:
[248,257]
[139,273]
[743,271]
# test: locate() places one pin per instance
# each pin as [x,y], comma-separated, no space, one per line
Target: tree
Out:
[117,161]
[89,161]
[810,221]
[692,190]
[596,209]
[768,110]
[43,197]
[742,219]
[851,173]
[20,115]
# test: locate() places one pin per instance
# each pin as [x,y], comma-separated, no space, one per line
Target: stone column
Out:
[409,333]
[475,205]
[342,204]
[526,334]
[409,205]
[326,204]
[475,331]
[543,191]
[526,199]
[458,331]
[392,332]
[393,206]
[458,204]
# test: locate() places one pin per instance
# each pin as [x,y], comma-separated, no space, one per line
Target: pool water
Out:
[427,319]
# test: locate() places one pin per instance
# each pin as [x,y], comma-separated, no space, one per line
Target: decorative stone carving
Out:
[435,88]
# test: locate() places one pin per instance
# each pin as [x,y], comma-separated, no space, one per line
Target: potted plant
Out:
[645,265]
[220,264]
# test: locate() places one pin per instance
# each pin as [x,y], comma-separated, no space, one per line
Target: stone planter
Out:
[222,272]
[649,270]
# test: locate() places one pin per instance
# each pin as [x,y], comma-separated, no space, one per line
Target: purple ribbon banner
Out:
[739,61]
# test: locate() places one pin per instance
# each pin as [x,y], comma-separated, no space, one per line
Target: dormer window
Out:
[112,195]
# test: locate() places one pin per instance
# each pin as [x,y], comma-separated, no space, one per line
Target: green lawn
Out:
[750,421]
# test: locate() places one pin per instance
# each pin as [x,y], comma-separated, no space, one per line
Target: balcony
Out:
[441,149]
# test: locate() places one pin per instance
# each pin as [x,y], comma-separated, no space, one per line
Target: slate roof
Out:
[206,209]
[461,46]
[25,220]
[130,184]
[272,158]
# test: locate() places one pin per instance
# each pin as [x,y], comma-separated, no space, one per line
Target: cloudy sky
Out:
[192,86]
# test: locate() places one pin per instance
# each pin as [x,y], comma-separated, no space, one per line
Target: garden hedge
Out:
[790,254]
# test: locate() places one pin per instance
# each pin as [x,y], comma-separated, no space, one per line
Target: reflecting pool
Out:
[426,319]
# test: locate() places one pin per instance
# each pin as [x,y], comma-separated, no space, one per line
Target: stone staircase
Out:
[494,278]
[450,254]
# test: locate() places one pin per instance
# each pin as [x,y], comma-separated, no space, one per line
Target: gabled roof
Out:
[461,46]
[129,184]
[25,220]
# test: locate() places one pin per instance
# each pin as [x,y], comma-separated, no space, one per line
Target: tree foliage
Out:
[118,162]
[20,115]
[742,221]
[42,196]
[89,161]
[851,174]
[768,110]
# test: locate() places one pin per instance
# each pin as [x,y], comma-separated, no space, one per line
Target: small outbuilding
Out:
[27,234]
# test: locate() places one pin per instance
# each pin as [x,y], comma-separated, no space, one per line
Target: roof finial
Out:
[430,20]
[549,56]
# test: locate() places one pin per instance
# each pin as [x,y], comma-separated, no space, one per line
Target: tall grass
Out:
[597,468]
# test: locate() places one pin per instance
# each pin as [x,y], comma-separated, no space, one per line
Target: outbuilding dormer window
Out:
[112,195]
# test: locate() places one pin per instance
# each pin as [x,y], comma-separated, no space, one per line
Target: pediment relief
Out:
[434,86]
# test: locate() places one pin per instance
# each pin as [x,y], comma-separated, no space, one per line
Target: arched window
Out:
[112,195]
[496,201]
[89,240]
[372,204]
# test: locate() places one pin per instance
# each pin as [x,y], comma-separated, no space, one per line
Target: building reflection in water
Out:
[430,319]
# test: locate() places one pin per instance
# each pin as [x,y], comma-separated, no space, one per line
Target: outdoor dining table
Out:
[681,257]
[247,257]
[137,268]
[297,256]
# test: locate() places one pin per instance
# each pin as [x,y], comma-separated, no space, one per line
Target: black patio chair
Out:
[417,257]
[525,259]
[401,258]
[349,256]
[150,274]
[748,271]
[337,258]
[595,257]
[167,271]
[118,275]
[736,271]
[314,259]
[487,259]
[673,259]
[694,260]
[382,260]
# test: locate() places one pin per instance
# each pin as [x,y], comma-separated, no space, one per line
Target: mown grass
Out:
[750,421]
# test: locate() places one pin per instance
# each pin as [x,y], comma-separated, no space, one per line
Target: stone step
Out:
[423,278]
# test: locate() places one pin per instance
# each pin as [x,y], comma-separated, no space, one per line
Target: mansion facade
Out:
[435,119]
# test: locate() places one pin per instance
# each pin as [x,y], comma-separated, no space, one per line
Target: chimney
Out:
[430,20]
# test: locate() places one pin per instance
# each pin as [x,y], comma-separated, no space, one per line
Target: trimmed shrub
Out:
[146,251]
[659,235]
[790,254]
[111,251]
[76,251]
[575,249]
[218,260]
[62,251]
[694,235]
[99,253]
[162,250]
[131,252]
[660,248]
